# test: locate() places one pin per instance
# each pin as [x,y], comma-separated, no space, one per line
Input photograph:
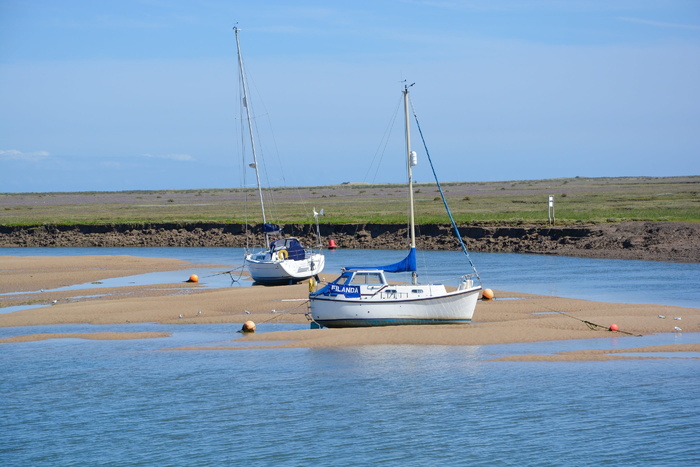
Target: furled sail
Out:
[271,228]
[408,264]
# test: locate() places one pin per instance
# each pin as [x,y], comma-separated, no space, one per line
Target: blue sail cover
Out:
[294,249]
[271,228]
[407,264]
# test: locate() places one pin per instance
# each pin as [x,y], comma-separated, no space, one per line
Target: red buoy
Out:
[613,327]
[331,244]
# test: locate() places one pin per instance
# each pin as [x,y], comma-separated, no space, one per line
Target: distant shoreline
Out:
[652,241]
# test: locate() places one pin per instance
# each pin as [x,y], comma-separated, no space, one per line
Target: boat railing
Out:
[466,282]
[379,290]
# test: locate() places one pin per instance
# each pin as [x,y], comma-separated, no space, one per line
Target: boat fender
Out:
[283,254]
[312,284]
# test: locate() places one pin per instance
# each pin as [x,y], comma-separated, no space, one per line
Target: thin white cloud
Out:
[15,155]
[661,24]
[172,157]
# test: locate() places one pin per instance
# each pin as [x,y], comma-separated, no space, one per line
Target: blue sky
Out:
[143,95]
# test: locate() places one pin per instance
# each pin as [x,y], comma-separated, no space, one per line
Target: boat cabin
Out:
[294,249]
[373,277]
[354,284]
[290,246]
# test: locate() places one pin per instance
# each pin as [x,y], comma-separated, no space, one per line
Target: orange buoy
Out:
[248,326]
[331,245]
[613,327]
[193,278]
[487,294]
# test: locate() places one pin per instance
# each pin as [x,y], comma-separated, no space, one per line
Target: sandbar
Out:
[510,318]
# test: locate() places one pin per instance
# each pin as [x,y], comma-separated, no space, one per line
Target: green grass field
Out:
[576,200]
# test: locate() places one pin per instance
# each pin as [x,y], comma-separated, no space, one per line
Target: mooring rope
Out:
[230,273]
[591,325]
[285,311]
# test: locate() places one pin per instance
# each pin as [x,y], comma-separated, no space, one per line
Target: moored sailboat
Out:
[282,260]
[362,296]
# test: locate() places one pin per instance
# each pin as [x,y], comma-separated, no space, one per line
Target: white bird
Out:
[662,316]
[199,312]
[180,316]
[677,328]
[677,319]
[54,302]
[247,312]
[274,311]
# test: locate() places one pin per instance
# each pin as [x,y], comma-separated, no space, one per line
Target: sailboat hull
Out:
[288,271]
[334,311]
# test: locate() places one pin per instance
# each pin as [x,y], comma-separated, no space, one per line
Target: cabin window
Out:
[344,279]
[417,291]
[367,279]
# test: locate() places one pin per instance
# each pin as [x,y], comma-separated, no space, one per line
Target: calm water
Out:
[80,402]
[620,281]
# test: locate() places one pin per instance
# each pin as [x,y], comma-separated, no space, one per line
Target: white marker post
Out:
[550,211]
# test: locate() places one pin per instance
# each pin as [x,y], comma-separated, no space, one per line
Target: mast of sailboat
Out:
[410,158]
[250,131]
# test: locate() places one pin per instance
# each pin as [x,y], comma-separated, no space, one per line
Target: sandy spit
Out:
[510,318]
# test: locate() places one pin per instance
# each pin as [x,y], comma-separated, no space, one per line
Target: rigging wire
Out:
[442,194]
[271,205]
[261,168]
[383,143]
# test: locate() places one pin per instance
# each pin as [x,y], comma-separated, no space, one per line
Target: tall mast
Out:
[250,130]
[409,164]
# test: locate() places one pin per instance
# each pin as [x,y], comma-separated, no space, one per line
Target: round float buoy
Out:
[613,327]
[487,294]
[193,278]
[248,326]
[331,245]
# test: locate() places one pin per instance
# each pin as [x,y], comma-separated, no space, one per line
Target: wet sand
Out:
[510,318]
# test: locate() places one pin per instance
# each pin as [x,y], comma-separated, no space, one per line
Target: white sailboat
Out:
[283,260]
[362,296]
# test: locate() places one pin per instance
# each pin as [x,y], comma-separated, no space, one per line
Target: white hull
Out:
[399,305]
[280,271]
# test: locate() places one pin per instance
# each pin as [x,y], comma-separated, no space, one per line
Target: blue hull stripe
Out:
[361,323]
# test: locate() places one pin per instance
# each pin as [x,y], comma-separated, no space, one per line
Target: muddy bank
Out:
[662,241]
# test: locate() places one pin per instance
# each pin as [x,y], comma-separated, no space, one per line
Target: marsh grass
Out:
[670,199]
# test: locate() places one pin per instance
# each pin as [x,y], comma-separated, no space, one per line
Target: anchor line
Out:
[285,311]
[592,326]
[230,273]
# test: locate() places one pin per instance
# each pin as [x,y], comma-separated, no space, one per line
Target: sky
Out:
[144,94]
